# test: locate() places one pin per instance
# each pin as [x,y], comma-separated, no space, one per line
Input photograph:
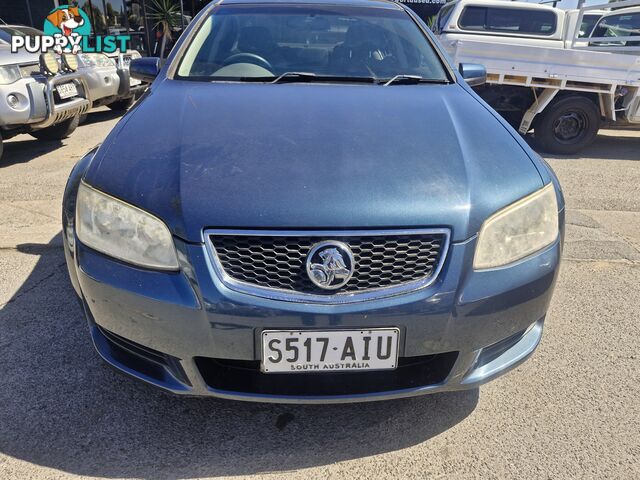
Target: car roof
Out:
[506,4]
[19,27]
[358,3]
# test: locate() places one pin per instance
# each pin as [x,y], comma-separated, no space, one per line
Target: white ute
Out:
[561,73]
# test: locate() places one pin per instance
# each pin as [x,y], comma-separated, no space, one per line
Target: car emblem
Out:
[330,264]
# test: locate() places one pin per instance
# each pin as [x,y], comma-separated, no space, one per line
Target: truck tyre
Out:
[58,131]
[568,125]
[121,105]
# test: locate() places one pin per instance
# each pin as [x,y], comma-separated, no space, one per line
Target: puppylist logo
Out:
[68,29]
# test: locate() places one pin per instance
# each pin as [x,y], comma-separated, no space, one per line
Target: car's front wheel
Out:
[1,146]
[58,131]
[568,125]
[121,105]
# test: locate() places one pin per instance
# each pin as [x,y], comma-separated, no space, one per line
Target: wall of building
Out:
[17,11]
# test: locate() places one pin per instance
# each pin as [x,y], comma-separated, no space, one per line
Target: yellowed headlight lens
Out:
[522,228]
[49,62]
[70,61]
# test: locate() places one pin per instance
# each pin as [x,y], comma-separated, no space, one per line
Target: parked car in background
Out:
[102,77]
[6,31]
[521,23]
[129,88]
[559,74]
[107,76]
[46,107]
[108,79]
[312,205]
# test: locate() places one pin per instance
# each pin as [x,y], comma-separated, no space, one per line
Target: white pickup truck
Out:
[562,74]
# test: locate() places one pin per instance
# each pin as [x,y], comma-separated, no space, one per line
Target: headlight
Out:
[70,62]
[96,60]
[87,59]
[9,74]
[104,61]
[123,231]
[518,230]
[49,63]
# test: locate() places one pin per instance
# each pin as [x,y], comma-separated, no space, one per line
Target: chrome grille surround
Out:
[29,69]
[347,294]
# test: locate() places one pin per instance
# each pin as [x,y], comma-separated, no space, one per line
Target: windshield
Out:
[622,25]
[19,31]
[588,22]
[443,16]
[262,42]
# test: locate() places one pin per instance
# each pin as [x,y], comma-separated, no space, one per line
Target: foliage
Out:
[165,16]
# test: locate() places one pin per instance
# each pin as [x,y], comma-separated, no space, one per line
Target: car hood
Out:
[233,155]
[19,58]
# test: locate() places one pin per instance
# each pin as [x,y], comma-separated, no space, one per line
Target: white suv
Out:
[47,108]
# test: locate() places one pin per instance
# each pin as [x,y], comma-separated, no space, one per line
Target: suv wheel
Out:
[568,125]
[121,105]
[58,131]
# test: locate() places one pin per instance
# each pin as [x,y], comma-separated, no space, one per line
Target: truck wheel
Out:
[58,131]
[121,105]
[568,125]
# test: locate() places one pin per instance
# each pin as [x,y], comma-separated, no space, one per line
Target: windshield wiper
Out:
[294,77]
[312,77]
[410,80]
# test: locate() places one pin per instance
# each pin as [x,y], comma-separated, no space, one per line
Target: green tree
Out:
[165,16]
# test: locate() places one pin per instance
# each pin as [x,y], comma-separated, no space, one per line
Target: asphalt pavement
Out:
[571,411]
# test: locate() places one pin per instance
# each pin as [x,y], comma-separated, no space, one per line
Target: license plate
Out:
[307,351]
[67,90]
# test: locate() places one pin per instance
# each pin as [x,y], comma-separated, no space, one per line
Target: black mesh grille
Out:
[280,262]
[244,376]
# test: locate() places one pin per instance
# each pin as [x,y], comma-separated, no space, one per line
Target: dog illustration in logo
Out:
[67,20]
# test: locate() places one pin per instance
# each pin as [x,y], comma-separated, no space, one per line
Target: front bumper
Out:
[103,83]
[39,105]
[187,333]
[130,87]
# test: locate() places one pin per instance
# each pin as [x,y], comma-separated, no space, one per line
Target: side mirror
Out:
[473,73]
[145,69]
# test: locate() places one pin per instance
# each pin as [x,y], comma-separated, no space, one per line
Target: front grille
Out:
[279,262]
[67,114]
[29,70]
[244,376]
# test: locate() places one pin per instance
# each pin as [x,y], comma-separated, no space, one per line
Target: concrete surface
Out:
[569,412]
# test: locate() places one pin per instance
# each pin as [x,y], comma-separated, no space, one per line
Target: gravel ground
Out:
[572,411]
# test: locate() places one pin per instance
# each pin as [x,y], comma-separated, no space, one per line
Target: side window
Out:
[588,23]
[474,18]
[509,20]
[623,25]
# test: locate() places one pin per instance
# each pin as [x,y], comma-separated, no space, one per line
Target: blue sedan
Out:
[310,204]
